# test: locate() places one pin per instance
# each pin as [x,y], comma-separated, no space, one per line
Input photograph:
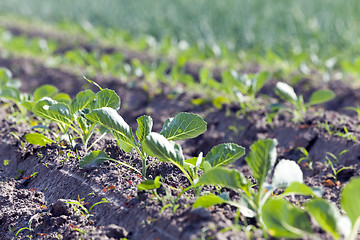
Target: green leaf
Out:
[229,178]
[285,173]
[82,100]
[92,158]
[219,101]
[183,126]
[261,79]
[321,96]
[92,82]
[10,93]
[157,145]
[208,200]
[285,92]
[262,158]
[109,118]
[284,220]
[195,161]
[149,184]
[5,76]
[62,97]
[224,154]
[37,139]
[107,98]
[298,188]
[51,109]
[145,124]
[45,90]
[28,104]
[325,214]
[350,199]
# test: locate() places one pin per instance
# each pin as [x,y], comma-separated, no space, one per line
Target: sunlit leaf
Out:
[283,220]
[149,184]
[262,158]
[349,200]
[145,124]
[109,118]
[37,139]
[45,90]
[51,109]
[183,126]
[321,96]
[229,178]
[106,98]
[208,200]
[93,158]
[285,92]
[224,154]
[82,100]
[325,214]
[157,145]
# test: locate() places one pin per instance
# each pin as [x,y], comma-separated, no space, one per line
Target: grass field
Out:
[324,27]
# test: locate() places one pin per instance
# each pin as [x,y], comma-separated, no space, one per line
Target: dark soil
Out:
[137,215]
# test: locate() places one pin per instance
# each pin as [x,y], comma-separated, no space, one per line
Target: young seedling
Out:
[335,172]
[243,88]
[346,135]
[305,157]
[160,145]
[80,208]
[287,174]
[29,228]
[299,107]
[71,116]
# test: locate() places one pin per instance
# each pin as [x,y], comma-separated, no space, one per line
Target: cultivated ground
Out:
[37,183]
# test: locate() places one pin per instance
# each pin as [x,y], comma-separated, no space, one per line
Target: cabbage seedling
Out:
[261,161]
[160,145]
[72,116]
[299,107]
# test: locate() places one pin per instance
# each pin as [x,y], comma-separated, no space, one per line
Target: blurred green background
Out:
[322,27]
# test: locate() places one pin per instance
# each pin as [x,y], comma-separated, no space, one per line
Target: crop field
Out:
[179,119]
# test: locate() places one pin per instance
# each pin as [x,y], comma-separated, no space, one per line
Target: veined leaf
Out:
[106,98]
[285,173]
[92,158]
[224,154]
[208,200]
[37,139]
[183,126]
[51,109]
[286,92]
[284,220]
[321,96]
[109,118]
[145,124]
[229,178]
[262,158]
[157,145]
[45,90]
[82,100]
[325,214]
[350,200]
[149,184]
